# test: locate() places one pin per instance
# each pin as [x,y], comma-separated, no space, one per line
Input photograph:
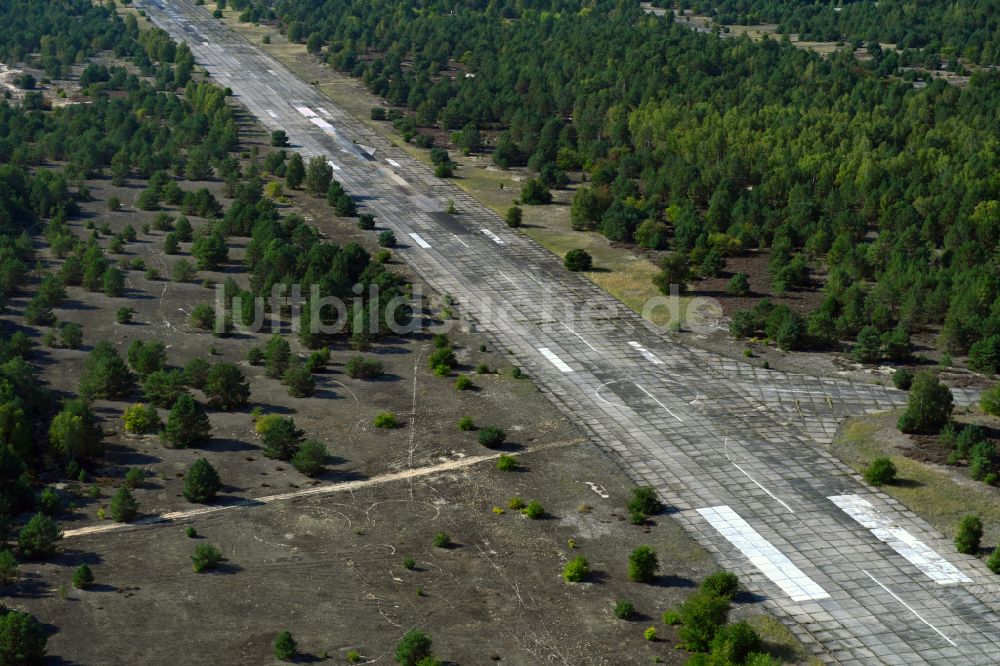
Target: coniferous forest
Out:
[706,145]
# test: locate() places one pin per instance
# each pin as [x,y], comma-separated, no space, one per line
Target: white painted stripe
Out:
[460,240]
[650,356]
[322,124]
[272,114]
[667,409]
[204,43]
[322,110]
[252,75]
[916,552]
[909,608]
[509,280]
[493,237]
[270,88]
[578,335]
[272,72]
[306,111]
[556,361]
[332,165]
[420,241]
[392,162]
[762,554]
[756,483]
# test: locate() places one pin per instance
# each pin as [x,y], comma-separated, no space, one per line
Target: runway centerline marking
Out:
[667,409]
[420,241]
[504,276]
[579,336]
[272,114]
[763,554]
[648,355]
[392,162]
[910,608]
[913,550]
[493,236]
[460,240]
[555,360]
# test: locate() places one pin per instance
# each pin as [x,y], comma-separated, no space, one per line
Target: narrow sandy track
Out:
[326,489]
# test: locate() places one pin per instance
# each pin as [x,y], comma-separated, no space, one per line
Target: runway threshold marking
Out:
[916,552]
[306,111]
[492,236]
[648,355]
[909,608]
[555,360]
[420,241]
[392,162]
[763,554]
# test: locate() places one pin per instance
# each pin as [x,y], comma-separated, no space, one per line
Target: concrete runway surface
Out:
[733,450]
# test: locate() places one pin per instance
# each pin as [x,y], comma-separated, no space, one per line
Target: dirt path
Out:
[326,489]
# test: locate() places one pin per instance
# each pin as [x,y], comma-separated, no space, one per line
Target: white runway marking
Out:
[909,608]
[272,114]
[322,124]
[649,356]
[460,240]
[916,552]
[322,110]
[306,111]
[272,72]
[252,75]
[763,555]
[508,279]
[493,237]
[270,88]
[555,360]
[420,241]
[667,409]
[772,495]
[332,165]
[392,162]
[578,335]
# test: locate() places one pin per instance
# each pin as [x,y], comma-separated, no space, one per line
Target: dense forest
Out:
[160,128]
[707,146]
[969,29]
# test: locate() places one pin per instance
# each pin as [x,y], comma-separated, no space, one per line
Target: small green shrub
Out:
[206,557]
[442,540]
[506,463]
[465,424]
[650,634]
[642,565]
[191,532]
[409,563]
[385,420]
[880,472]
[515,503]
[463,383]
[993,562]
[624,610]
[969,534]
[902,379]
[721,583]
[533,510]
[284,646]
[576,570]
[83,577]
[491,436]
